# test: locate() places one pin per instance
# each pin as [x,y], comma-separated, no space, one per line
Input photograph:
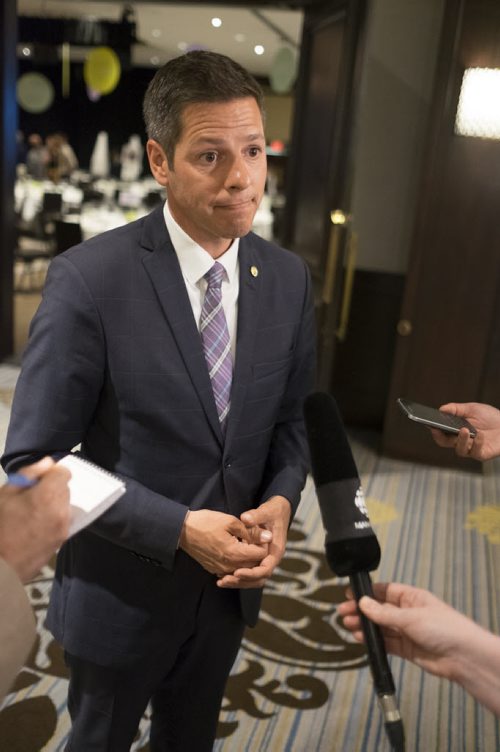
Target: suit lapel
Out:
[163,268]
[248,305]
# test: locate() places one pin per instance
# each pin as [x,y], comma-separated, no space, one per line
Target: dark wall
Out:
[118,113]
[447,350]
[363,360]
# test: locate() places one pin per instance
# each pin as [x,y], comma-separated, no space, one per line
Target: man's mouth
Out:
[234,206]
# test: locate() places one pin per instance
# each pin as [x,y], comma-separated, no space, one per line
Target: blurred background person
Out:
[61,158]
[37,157]
[67,152]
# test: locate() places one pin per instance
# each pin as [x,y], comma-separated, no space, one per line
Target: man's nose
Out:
[238,174]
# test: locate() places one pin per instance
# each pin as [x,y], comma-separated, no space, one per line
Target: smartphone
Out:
[430,416]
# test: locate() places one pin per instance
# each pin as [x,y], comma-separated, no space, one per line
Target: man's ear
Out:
[158,162]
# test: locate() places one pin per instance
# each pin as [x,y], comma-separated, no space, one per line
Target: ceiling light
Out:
[156,33]
[239,37]
[216,22]
[155,60]
[182,46]
[26,51]
[478,112]
[259,49]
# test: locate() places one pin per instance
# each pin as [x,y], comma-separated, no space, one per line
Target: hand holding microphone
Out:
[351,546]
[421,628]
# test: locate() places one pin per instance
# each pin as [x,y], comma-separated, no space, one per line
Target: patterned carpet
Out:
[299,683]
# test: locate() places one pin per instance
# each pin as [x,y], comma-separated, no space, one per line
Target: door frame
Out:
[327,265]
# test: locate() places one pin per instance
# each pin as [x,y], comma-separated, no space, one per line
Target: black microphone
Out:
[351,546]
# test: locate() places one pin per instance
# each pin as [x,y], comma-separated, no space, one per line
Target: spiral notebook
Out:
[92,491]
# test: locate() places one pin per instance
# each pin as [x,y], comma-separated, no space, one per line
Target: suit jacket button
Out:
[227,464]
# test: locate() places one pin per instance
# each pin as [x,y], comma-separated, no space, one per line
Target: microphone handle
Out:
[377,656]
[361,584]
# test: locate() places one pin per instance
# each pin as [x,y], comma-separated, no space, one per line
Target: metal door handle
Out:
[338,219]
[404,328]
[345,310]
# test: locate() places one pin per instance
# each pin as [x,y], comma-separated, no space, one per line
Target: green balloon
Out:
[283,70]
[35,92]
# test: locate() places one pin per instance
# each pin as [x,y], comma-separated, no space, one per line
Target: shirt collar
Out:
[193,259]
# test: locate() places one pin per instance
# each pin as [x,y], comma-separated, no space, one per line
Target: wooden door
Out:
[449,318]
[318,175]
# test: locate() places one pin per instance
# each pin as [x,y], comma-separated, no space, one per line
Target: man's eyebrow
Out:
[213,141]
[256,136]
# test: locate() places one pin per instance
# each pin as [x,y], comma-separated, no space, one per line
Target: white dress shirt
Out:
[195,262]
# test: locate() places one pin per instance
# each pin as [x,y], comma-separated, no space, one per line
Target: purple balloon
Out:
[94,96]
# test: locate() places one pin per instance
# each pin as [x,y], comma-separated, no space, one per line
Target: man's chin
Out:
[239,228]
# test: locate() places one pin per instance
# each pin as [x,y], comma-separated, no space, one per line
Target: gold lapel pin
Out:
[254,271]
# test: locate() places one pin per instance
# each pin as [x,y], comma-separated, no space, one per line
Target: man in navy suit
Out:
[151,601]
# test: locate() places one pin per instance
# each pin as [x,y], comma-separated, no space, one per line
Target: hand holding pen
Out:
[34,516]
[20,480]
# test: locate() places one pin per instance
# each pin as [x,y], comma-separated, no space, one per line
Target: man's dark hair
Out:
[198,76]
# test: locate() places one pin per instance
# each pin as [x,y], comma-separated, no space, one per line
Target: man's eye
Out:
[209,157]
[254,151]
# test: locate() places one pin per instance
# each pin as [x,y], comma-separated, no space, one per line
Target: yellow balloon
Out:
[101,70]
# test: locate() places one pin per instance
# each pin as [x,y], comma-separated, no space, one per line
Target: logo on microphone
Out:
[360,502]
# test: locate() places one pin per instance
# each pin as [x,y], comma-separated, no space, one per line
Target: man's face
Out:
[218,176]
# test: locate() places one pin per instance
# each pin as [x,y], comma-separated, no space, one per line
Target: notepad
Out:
[92,491]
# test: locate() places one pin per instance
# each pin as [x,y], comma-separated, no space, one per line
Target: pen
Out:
[17,479]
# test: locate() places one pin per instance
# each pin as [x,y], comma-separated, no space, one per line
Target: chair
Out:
[152,199]
[67,234]
[51,209]
[51,205]
[34,249]
[31,260]
[92,196]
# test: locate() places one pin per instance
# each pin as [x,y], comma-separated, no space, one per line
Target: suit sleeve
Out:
[17,627]
[288,460]
[56,396]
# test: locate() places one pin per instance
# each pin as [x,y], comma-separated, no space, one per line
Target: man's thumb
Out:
[259,535]
[249,518]
[255,521]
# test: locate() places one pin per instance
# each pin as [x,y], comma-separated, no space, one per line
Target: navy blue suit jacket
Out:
[115,362]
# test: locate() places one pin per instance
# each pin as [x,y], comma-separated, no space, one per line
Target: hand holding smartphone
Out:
[430,416]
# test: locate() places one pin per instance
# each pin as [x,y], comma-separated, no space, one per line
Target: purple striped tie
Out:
[216,344]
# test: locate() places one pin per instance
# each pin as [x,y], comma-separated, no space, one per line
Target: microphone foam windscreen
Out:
[331,455]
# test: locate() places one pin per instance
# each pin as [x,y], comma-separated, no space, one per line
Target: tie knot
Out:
[214,275]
